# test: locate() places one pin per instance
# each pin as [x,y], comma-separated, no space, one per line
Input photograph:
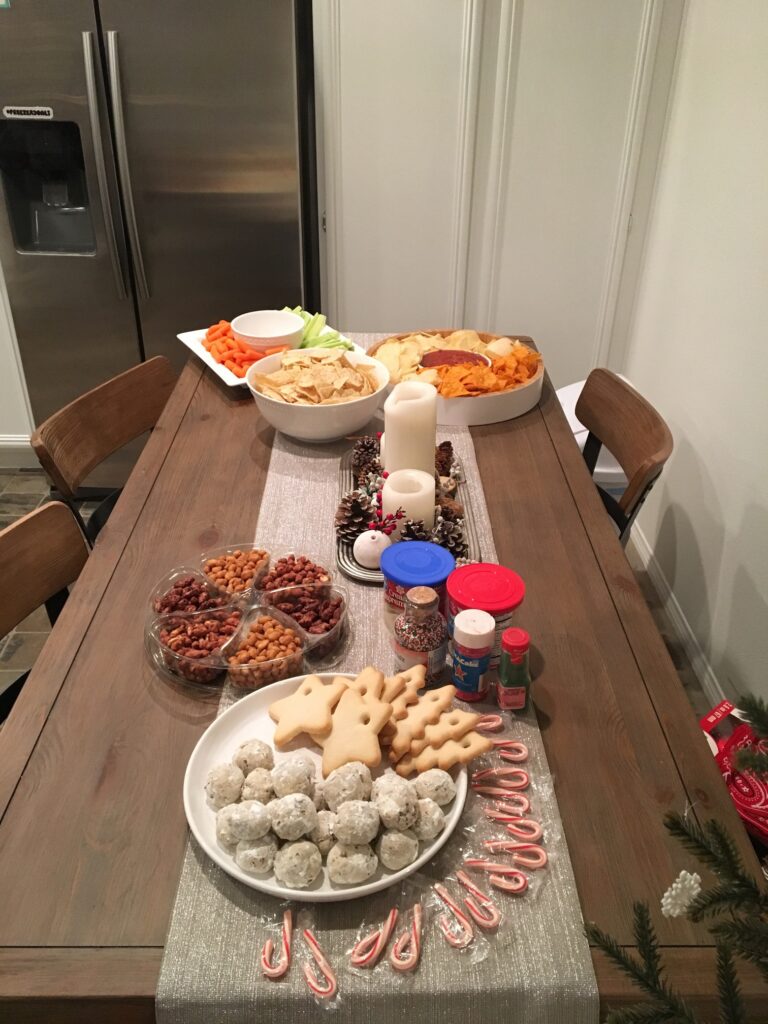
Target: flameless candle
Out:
[413,491]
[410,421]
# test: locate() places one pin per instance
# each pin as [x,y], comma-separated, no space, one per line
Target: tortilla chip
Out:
[316,378]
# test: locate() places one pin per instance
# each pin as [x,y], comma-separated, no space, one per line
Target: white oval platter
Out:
[249,719]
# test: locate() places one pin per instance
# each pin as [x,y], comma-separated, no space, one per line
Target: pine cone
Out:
[414,529]
[353,515]
[371,483]
[444,458]
[365,452]
[450,535]
[450,509]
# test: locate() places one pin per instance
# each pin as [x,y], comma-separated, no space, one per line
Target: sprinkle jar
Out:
[473,636]
[421,635]
[413,563]
[490,588]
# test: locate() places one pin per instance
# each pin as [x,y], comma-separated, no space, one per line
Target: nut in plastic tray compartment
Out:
[293,568]
[193,644]
[319,610]
[236,569]
[185,590]
[268,647]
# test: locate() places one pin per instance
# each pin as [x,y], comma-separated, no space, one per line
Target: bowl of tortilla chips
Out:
[318,395]
[506,382]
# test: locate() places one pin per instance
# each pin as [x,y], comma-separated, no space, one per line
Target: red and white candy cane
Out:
[367,951]
[525,828]
[501,876]
[525,855]
[327,988]
[466,933]
[503,780]
[406,951]
[489,723]
[281,965]
[482,909]
[512,751]
[512,808]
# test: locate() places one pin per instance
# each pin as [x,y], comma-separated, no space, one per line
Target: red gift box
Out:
[727,734]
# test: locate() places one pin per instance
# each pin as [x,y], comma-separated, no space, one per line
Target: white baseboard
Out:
[700,663]
[16,452]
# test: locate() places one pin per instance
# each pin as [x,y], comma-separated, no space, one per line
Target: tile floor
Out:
[23,490]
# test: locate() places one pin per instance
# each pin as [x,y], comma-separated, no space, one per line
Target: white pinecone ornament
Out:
[681,894]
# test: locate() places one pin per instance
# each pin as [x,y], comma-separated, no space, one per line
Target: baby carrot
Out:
[274,350]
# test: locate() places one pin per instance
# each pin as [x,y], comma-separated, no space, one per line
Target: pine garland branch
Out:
[669,1006]
[749,938]
[731,1004]
[756,710]
[639,1013]
[647,943]
[713,847]
[750,760]
[729,896]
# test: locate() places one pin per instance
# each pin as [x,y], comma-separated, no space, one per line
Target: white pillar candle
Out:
[410,422]
[414,492]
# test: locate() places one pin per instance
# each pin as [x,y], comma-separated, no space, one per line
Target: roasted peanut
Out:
[187,594]
[236,571]
[269,651]
[187,641]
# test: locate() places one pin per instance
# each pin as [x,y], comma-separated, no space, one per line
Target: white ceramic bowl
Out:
[319,423]
[264,328]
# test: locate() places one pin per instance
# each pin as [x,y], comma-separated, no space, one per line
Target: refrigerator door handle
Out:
[101,169]
[123,168]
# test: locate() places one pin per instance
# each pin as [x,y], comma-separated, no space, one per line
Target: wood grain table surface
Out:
[93,756]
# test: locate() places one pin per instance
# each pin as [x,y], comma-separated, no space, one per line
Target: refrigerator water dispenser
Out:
[46,196]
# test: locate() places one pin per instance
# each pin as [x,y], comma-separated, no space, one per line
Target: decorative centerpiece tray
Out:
[345,558]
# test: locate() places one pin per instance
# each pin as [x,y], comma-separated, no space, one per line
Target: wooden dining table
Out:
[92,758]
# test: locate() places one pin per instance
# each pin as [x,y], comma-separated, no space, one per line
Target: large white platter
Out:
[194,342]
[249,719]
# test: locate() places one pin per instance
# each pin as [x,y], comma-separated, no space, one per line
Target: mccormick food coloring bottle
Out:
[514,674]
[421,635]
[474,632]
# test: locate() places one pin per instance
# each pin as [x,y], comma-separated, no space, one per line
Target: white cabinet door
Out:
[479,164]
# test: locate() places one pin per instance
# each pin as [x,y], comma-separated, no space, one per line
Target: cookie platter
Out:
[249,719]
[257,615]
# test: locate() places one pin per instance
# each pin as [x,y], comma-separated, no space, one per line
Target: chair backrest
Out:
[629,427]
[77,438]
[40,555]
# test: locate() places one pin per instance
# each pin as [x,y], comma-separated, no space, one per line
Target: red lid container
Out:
[490,587]
[515,641]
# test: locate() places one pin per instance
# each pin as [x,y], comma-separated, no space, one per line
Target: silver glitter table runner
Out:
[538,969]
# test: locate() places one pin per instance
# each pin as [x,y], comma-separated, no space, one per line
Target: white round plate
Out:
[249,719]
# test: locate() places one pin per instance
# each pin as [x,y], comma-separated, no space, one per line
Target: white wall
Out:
[15,415]
[698,346]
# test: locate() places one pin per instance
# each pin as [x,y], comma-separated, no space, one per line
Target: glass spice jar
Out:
[421,635]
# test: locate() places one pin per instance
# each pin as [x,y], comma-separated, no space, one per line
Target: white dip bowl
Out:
[264,328]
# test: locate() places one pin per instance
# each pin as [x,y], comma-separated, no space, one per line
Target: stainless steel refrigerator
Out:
[157,167]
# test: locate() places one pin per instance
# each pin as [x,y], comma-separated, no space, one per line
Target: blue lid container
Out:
[417,563]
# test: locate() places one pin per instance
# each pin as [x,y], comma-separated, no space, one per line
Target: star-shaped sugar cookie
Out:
[357,722]
[307,709]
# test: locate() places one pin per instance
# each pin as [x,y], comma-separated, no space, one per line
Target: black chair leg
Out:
[9,695]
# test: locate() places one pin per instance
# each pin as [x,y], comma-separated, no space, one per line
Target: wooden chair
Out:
[41,554]
[77,438]
[633,432]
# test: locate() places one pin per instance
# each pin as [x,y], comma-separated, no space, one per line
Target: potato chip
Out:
[316,378]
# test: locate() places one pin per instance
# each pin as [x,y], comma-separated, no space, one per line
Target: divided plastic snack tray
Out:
[317,650]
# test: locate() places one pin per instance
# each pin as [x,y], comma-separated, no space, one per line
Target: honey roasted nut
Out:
[314,610]
[268,652]
[187,642]
[292,570]
[236,571]
[188,594]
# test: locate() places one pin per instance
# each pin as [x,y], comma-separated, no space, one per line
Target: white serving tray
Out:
[194,342]
[249,719]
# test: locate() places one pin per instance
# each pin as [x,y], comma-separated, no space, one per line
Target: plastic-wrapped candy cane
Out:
[482,909]
[525,855]
[512,808]
[510,750]
[525,828]
[466,933]
[489,723]
[406,950]
[368,950]
[502,781]
[503,877]
[328,986]
[281,965]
